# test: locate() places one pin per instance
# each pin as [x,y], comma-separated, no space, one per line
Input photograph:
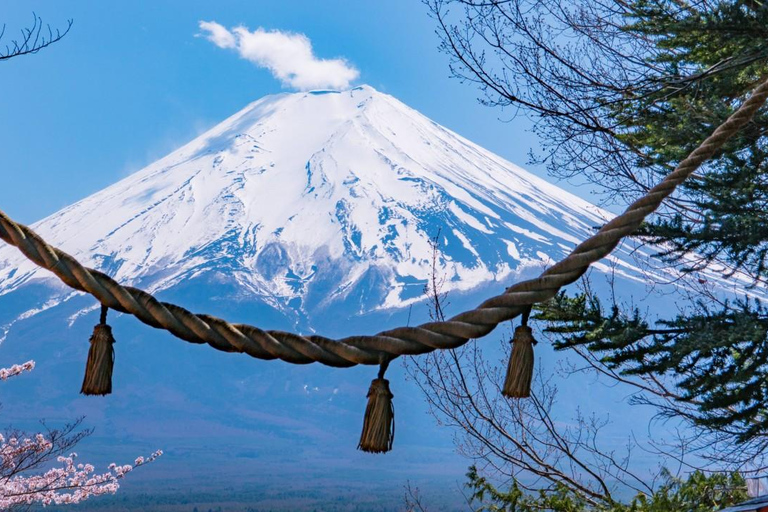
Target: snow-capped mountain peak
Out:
[303,199]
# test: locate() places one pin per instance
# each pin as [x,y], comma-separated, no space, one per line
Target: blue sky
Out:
[131,82]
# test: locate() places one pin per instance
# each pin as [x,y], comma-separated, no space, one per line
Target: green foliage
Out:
[491,499]
[733,225]
[699,492]
[580,321]
[717,357]
[707,61]
[706,58]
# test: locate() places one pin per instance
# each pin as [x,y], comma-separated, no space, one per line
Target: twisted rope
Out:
[386,345]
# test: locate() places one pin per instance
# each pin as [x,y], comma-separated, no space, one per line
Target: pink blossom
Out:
[69,482]
[17,369]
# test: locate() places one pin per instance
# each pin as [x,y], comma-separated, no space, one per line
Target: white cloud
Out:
[288,56]
[218,35]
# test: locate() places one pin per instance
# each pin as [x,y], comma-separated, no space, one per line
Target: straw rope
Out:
[386,345]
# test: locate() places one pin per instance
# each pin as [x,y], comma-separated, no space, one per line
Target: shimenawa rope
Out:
[353,350]
[378,425]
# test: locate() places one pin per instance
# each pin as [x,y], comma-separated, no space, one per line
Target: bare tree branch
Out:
[33,38]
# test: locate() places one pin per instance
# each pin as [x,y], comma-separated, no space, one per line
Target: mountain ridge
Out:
[298,191]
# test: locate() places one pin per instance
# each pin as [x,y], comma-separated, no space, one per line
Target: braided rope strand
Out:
[386,345]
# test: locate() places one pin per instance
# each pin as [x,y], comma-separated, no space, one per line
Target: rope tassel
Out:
[520,368]
[379,423]
[101,359]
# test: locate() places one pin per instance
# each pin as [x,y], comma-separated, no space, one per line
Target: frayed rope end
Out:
[520,368]
[379,423]
[101,359]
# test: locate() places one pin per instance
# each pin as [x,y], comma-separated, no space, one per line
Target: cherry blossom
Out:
[66,482]
[16,369]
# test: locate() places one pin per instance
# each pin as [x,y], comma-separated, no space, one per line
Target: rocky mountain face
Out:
[309,199]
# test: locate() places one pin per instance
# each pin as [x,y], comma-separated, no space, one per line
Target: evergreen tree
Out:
[621,91]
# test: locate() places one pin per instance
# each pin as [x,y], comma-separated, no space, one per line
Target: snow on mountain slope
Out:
[302,199]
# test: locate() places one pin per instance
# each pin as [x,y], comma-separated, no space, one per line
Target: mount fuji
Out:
[313,211]
[310,199]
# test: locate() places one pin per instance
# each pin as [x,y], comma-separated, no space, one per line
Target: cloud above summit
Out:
[287,55]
